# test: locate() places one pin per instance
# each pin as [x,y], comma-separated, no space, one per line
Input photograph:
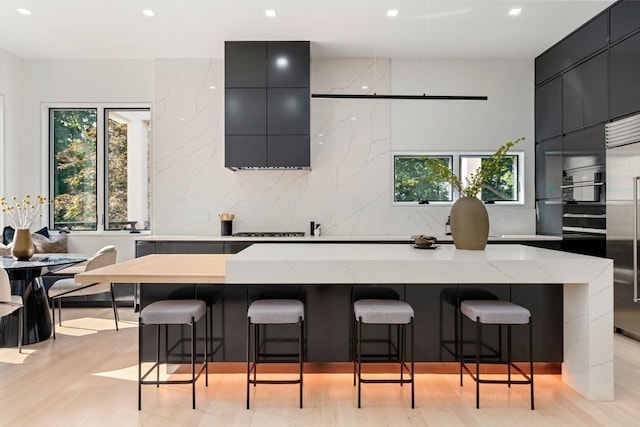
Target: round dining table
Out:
[25,277]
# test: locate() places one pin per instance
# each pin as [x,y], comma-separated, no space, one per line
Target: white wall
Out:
[10,89]
[349,189]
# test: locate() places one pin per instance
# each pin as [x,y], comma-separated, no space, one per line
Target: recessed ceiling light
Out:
[353,118]
[364,87]
[23,11]
[270,13]
[212,87]
[515,11]
[148,12]
[392,12]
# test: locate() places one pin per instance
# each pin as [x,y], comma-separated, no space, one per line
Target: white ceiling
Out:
[116,29]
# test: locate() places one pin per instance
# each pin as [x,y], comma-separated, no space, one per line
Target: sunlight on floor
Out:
[10,355]
[90,325]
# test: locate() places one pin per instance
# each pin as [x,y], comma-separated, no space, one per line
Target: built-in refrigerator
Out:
[623,222]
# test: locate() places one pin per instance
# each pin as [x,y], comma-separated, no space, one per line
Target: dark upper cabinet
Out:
[625,76]
[548,109]
[288,150]
[288,111]
[549,167]
[245,111]
[584,148]
[585,41]
[288,64]
[245,64]
[585,96]
[248,151]
[625,18]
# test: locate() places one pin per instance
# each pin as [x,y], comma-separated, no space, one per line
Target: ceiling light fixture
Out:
[148,12]
[515,11]
[270,13]
[212,87]
[364,87]
[23,11]
[392,13]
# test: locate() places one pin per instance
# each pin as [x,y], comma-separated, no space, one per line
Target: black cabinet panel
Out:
[245,111]
[625,76]
[288,150]
[549,217]
[189,247]
[288,111]
[549,109]
[625,18]
[244,64]
[585,95]
[145,248]
[549,167]
[288,64]
[584,148]
[577,46]
[245,151]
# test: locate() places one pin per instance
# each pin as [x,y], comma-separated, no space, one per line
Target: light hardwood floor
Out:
[87,377]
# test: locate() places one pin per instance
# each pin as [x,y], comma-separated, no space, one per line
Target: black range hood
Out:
[267,105]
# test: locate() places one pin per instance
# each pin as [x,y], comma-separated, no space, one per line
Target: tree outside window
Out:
[411,183]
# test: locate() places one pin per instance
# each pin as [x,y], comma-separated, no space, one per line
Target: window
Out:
[99,168]
[413,185]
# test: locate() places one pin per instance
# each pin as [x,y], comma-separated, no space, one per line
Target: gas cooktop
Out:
[269,234]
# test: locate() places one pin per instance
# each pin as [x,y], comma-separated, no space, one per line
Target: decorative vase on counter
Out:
[469,224]
[22,247]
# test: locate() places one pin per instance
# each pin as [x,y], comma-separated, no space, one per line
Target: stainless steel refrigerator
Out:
[623,222]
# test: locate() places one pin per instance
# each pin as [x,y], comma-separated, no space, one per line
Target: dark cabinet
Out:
[267,102]
[548,109]
[549,167]
[549,217]
[585,148]
[625,76]
[244,64]
[585,95]
[189,247]
[288,111]
[625,18]
[583,42]
[245,111]
[288,64]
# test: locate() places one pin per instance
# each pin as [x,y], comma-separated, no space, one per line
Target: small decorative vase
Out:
[22,247]
[469,224]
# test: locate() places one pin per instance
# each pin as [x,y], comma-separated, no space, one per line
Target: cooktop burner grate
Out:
[269,234]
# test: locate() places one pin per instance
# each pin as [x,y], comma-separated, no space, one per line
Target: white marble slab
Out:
[332,238]
[588,286]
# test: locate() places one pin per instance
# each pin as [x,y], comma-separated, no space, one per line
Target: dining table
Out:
[25,277]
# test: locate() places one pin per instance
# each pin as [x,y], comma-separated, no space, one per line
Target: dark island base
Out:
[329,317]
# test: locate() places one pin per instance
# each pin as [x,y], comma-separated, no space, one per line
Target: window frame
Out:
[102,160]
[457,167]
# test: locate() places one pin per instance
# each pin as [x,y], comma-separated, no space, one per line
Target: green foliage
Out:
[494,168]
[117,171]
[410,188]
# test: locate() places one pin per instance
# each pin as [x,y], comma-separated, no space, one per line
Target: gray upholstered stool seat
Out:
[172,312]
[495,312]
[276,311]
[264,312]
[383,312]
[490,312]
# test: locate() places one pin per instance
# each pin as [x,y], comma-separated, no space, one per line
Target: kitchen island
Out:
[587,287]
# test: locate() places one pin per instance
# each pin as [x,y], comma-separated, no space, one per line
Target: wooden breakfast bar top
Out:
[162,268]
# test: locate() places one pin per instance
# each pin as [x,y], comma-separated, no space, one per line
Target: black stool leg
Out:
[158,353]
[300,354]
[139,363]
[248,357]
[359,351]
[461,335]
[509,356]
[478,340]
[531,357]
[413,381]
[193,362]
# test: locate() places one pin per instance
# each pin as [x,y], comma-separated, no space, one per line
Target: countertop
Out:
[329,238]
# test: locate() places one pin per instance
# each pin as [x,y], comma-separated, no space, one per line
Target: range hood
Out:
[267,105]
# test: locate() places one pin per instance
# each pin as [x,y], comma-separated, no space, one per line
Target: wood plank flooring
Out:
[87,377]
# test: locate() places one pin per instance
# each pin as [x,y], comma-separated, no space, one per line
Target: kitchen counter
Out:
[587,291]
[329,238]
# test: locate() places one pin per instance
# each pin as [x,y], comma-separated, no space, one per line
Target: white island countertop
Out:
[587,294]
[331,238]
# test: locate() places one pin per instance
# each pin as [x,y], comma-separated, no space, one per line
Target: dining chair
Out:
[10,303]
[70,288]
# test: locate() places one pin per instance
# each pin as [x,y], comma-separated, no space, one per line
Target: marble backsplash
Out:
[349,189]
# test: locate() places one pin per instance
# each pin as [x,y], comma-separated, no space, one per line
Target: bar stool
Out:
[454,297]
[497,313]
[172,312]
[211,295]
[384,312]
[273,312]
